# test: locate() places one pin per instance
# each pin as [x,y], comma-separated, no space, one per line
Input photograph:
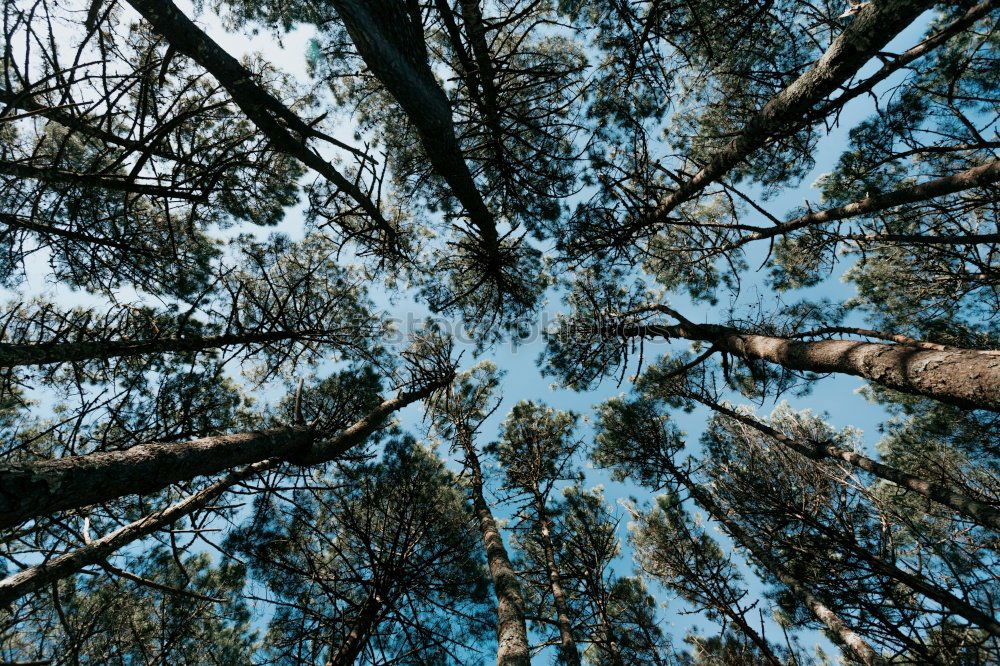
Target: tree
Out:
[536,450]
[963,493]
[594,339]
[462,412]
[639,632]
[589,546]
[214,217]
[914,257]
[373,562]
[272,118]
[75,481]
[97,551]
[277,305]
[841,522]
[636,440]
[166,611]
[675,550]
[617,612]
[124,175]
[780,116]
[726,648]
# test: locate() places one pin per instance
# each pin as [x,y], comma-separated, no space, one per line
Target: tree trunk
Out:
[968,179]
[607,629]
[567,645]
[472,15]
[12,355]
[111,182]
[871,29]
[923,239]
[946,599]
[755,638]
[822,612]
[34,489]
[966,378]
[512,631]
[485,76]
[390,39]
[361,630]
[962,377]
[944,494]
[260,106]
[95,552]
[967,20]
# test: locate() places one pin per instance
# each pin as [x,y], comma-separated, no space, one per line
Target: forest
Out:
[458,332]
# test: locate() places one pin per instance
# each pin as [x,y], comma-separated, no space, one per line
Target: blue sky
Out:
[836,396]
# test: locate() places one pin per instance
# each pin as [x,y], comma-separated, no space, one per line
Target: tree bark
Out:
[472,15]
[607,629]
[567,644]
[485,76]
[34,489]
[391,41]
[922,239]
[361,630]
[962,377]
[968,179]
[13,355]
[512,631]
[967,20]
[872,28]
[822,612]
[944,494]
[946,599]
[260,106]
[97,551]
[967,378]
[99,181]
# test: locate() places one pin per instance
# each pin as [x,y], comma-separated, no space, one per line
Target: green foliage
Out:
[634,437]
[381,548]
[836,520]
[640,163]
[197,618]
[536,448]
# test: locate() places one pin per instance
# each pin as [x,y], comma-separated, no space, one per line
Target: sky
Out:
[837,396]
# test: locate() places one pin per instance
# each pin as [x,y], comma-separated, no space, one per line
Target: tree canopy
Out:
[604,332]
